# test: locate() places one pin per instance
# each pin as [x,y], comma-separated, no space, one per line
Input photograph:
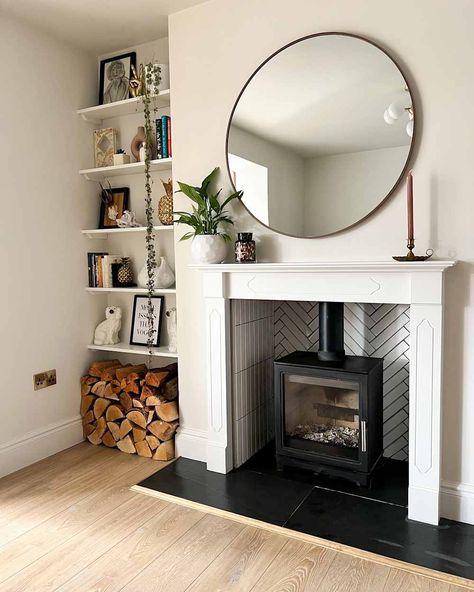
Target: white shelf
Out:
[98,113]
[130,290]
[133,168]
[103,233]
[141,350]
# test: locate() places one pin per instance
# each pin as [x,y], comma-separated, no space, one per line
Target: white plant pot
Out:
[208,248]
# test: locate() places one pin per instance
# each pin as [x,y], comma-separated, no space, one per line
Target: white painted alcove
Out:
[418,284]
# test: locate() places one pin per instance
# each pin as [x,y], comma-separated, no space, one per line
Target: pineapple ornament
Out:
[165,205]
[125,273]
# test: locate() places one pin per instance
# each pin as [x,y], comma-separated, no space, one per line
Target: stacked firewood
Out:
[131,408]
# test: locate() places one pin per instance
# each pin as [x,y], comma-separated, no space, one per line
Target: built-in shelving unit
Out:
[141,350]
[134,168]
[129,291]
[102,233]
[123,297]
[98,113]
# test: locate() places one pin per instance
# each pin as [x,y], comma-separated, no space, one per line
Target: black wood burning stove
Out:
[329,406]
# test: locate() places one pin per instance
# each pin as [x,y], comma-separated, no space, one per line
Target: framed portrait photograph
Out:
[114,202]
[139,325]
[114,78]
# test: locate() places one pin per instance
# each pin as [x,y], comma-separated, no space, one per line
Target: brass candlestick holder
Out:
[410,256]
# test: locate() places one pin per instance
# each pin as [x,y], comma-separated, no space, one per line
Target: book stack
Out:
[163,137]
[100,269]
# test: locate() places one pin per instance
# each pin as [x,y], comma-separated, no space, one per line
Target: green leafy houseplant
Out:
[207,213]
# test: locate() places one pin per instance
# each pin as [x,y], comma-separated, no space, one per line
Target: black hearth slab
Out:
[260,496]
[354,364]
[390,483]
[384,529]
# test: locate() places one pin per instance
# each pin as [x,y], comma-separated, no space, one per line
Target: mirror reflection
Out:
[320,135]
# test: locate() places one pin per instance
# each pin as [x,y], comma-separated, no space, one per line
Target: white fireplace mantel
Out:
[418,284]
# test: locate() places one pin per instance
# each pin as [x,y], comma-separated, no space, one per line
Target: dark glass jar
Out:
[245,248]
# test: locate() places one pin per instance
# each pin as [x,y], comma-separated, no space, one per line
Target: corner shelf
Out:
[134,168]
[98,113]
[141,350]
[103,233]
[129,291]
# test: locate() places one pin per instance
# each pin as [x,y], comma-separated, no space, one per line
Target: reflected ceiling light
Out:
[397,110]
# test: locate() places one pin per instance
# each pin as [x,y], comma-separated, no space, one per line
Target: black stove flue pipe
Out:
[331,332]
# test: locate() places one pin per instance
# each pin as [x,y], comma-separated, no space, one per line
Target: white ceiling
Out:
[100,26]
[325,95]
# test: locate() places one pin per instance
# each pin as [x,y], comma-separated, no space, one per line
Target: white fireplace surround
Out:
[418,284]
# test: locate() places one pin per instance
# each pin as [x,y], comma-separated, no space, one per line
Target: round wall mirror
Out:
[320,135]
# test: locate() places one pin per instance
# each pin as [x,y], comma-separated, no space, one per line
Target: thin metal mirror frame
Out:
[400,177]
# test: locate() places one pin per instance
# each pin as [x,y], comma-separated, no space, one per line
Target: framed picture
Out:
[113,206]
[139,330]
[115,75]
[105,141]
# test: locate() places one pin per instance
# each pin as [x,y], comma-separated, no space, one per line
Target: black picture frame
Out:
[121,197]
[141,302]
[128,60]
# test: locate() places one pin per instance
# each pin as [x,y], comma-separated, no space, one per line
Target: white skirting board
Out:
[191,443]
[457,499]
[35,446]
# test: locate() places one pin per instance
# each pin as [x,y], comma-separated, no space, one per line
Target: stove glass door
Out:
[322,415]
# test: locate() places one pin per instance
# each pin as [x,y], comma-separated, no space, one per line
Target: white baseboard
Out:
[457,501]
[39,444]
[191,443]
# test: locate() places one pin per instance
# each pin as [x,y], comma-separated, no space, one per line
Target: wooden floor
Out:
[71,523]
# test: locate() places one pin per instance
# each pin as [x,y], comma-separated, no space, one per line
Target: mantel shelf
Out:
[327,267]
[103,233]
[141,350]
[98,113]
[129,291]
[133,168]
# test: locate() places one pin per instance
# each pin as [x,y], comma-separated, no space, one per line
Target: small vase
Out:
[165,205]
[244,248]
[138,139]
[164,276]
[208,248]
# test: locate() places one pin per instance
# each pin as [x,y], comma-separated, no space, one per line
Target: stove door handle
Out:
[363,430]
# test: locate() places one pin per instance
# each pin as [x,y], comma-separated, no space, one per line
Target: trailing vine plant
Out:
[152,74]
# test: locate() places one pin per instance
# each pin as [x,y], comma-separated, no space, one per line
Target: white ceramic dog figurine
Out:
[172,330]
[106,333]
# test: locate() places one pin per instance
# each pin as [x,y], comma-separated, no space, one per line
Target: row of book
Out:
[100,269]
[163,137]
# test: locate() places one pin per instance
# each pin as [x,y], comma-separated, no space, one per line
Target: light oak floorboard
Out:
[120,564]
[178,567]
[74,526]
[242,563]
[51,500]
[400,581]
[54,569]
[109,492]
[351,574]
[36,473]
[298,567]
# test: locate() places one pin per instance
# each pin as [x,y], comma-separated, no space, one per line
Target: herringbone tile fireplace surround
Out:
[279,328]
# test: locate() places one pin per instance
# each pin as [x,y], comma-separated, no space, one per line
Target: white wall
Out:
[44,204]
[342,188]
[434,44]
[285,177]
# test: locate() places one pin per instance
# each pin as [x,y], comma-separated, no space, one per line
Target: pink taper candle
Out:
[411,234]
